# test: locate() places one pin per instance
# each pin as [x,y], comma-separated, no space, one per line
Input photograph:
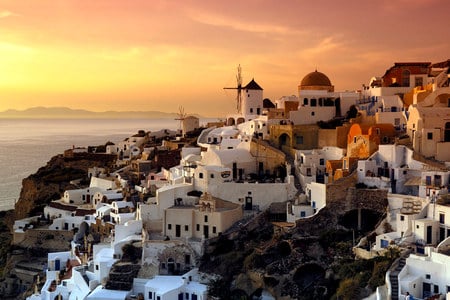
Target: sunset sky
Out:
[159,54]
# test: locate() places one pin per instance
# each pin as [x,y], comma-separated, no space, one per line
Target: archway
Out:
[405,78]
[230,122]
[284,140]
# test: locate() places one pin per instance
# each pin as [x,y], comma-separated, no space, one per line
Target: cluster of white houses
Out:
[241,168]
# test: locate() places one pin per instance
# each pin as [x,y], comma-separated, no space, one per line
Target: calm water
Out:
[27,145]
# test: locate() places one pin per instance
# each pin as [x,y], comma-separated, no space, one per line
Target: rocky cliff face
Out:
[313,260]
[50,182]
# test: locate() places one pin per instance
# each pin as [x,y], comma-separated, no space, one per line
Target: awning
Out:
[413,181]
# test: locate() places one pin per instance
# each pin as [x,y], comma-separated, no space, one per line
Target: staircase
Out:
[393,278]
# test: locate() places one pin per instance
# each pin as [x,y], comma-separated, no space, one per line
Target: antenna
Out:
[238,88]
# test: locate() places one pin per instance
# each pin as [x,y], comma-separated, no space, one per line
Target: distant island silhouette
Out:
[69,113]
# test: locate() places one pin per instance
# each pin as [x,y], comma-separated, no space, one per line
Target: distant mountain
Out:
[68,113]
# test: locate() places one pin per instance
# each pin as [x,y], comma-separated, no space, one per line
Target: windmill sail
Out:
[238,88]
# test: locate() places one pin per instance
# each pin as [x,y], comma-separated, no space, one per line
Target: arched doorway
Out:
[170,266]
[284,140]
[230,122]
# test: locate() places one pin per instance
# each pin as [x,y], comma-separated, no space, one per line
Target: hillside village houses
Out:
[238,170]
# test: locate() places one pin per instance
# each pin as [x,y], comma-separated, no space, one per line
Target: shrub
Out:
[348,289]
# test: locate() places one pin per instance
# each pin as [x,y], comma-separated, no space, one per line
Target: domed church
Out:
[316,81]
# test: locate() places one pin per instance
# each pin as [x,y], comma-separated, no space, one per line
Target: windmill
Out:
[181,116]
[238,88]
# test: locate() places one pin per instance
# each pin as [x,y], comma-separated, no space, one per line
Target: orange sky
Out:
[159,54]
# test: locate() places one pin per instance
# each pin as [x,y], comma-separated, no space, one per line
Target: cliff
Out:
[312,260]
[50,181]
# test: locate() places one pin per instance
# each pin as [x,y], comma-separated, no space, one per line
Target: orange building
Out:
[363,140]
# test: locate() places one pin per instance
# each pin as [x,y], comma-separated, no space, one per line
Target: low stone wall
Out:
[52,240]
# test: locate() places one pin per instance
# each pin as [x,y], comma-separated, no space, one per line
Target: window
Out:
[354,140]
[402,218]
[158,297]
[163,265]
[187,259]
[198,227]
[211,176]
[169,226]
[313,102]
[405,78]
[312,113]
[302,214]
[186,227]
[150,295]
[429,135]
[428,276]
[206,219]
[442,218]
[299,139]
[322,161]
[397,121]
[200,175]
[251,110]
[305,101]
[418,81]
[96,267]
[417,226]
[428,180]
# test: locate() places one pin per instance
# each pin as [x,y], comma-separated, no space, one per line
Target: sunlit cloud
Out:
[239,24]
[7,13]
[123,55]
[325,46]
[14,48]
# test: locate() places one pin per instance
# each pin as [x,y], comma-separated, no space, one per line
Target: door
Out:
[441,234]
[248,203]
[206,231]
[429,235]
[426,290]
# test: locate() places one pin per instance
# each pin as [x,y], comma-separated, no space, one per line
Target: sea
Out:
[28,144]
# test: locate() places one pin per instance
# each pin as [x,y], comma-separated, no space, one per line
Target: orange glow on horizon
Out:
[157,55]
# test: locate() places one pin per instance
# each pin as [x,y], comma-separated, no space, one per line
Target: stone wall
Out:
[52,240]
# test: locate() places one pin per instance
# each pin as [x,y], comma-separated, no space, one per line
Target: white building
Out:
[250,105]
[310,165]
[426,275]
[175,287]
[319,102]
[308,205]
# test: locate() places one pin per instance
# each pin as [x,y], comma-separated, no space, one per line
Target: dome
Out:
[315,79]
